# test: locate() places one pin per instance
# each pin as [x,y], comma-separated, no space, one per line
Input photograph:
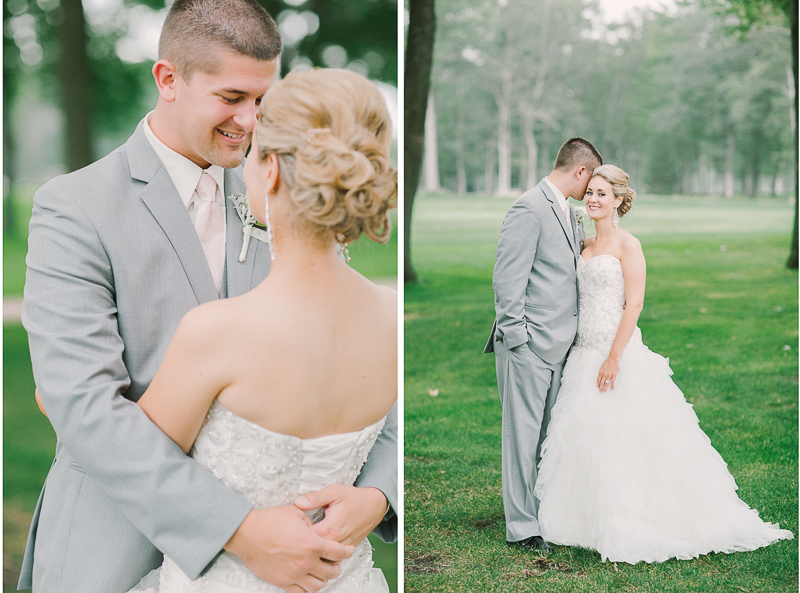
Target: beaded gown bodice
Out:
[271,469]
[601,296]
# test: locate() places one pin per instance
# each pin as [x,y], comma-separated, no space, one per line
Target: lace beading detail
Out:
[272,469]
[601,295]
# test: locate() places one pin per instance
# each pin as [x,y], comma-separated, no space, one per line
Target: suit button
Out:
[575,313]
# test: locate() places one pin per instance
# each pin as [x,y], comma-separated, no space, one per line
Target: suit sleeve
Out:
[69,312]
[380,471]
[516,251]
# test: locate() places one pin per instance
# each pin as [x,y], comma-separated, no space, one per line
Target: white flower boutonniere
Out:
[579,214]
[250,226]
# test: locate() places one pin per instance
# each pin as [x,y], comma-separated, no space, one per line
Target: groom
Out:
[118,253]
[536,304]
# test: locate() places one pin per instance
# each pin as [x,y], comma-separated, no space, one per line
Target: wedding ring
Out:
[608,380]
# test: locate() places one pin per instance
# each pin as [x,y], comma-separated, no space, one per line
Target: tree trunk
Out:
[419,58]
[504,98]
[729,156]
[73,70]
[461,166]
[431,161]
[703,175]
[503,146]
[791,263]
[490,168]
[755,166]
[531,151]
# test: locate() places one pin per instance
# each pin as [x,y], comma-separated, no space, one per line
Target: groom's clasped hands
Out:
[284,547]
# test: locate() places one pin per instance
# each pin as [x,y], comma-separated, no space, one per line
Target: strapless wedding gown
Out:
[629,472]
[271,469]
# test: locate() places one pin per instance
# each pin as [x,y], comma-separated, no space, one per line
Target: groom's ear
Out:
[165,75]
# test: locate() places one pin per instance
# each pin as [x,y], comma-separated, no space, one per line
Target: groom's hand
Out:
[350,513]
[278,545]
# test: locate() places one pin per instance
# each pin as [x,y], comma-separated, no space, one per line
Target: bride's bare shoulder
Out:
[631,249]
[387,295]
[629,242]
[214,318]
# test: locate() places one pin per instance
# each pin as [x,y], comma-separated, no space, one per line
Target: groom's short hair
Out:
[195,31]
[576,152]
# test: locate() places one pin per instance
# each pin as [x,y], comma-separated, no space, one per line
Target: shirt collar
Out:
[562,201]
[184,173]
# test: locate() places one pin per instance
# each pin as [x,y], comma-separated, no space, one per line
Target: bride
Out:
[283,390]
[625,468]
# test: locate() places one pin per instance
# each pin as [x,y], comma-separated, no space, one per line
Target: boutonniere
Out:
[250,226]
[579,214]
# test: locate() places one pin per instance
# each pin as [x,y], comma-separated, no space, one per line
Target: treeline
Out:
[681,101]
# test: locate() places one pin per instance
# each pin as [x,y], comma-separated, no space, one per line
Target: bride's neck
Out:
[603,229]
[298,252]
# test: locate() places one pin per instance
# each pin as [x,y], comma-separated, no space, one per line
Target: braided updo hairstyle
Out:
[619,182]
[331,130]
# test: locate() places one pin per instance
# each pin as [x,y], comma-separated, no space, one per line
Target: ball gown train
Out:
[629,472]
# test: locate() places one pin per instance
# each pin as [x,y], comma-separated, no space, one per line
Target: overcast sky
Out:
[615,10]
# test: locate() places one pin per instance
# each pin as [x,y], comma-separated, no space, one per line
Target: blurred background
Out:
[76,81]
[691,97]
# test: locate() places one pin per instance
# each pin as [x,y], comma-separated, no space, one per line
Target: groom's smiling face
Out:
[214,112]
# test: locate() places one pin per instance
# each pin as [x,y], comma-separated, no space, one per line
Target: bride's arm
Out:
[191,375]
[634,271]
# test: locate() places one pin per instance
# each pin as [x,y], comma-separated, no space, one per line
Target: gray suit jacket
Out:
[114,263]
[535,277]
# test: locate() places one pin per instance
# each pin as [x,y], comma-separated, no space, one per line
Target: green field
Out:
[28,439]
[720,304]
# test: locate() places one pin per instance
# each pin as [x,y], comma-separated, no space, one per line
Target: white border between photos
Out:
[400,292]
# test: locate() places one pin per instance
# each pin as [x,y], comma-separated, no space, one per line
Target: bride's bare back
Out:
[313,355]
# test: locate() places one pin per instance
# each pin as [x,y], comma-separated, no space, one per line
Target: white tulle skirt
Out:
[629,472]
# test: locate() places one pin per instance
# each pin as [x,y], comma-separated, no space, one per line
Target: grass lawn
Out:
[28,439]
[720,304]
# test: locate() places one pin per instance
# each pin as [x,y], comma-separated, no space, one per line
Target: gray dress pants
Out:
[528,387]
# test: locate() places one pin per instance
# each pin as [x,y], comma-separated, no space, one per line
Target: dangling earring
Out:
[615,219]
[268,230]
[343,247]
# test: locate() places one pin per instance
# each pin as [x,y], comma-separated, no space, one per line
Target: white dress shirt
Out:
[185,174]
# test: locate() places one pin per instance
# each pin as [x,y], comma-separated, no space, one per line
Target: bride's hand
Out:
[607,375]
[278,545]
[350,513]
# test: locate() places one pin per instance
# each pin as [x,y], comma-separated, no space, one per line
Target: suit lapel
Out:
[240,274]
[578,231]
[162,199]
[559,214]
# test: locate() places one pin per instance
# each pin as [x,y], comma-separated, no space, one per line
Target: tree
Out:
[74,76]
[419,57]
[751,13]
[431,153]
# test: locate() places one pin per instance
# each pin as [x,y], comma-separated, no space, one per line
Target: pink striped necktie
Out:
[210,227]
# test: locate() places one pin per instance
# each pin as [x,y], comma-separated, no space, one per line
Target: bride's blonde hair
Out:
[619,183]
[331,131]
